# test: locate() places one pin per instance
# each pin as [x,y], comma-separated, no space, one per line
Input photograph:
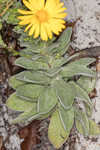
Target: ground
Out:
[86,34]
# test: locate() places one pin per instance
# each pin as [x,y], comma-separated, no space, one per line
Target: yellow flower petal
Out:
[27,27]
[61,10]
[55,10]
[37,4]
[24,12]
[56,21]
[60,15]
[50,5]
[32,30]
[28,19]
[28,5]
[57,1]
[37,31]
[48,30]
[25,17]
[40,3]
[43,33]
[60,5]
[57,25]
[24,22]
[43,18]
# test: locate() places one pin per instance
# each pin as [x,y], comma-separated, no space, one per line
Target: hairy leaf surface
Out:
[47,100]
[65,93]
[56,132]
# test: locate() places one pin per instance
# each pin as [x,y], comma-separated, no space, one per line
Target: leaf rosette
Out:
[50,85]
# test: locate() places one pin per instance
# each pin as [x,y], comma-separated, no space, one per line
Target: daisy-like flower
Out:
[43,18]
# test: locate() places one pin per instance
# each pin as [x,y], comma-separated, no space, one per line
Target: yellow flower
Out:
[43,18]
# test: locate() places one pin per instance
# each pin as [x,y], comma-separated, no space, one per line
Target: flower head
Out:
[43,17]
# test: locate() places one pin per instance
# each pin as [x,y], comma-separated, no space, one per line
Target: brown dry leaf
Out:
[93,93]
[1,142]
[98,64]
[30,135]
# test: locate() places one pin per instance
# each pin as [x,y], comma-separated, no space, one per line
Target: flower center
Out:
[42,15]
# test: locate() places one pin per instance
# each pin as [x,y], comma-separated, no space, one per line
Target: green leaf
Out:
[65,93]
[65,36]
[32,45]
[57,62]
[14,83]
[56,133]
[52,48]
[81,61]
[29,54]
[82,122]
[62,44]
[87,83]
[67,118]
[44,116]
[27,108]
[33,77]
[78,67]
[64,41]
[29,92]
[1,42]
[17,104]
[94,128]
[12,13]
[52,72]
[88,109]
[73,69]
[30,48]
[81,93]
[30,64]
[47,100]
[27,116]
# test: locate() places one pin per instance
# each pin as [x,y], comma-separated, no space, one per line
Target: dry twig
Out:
[8,5]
